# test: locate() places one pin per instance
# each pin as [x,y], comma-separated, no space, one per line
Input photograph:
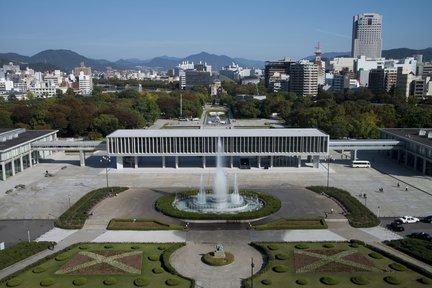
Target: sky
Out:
[252,29]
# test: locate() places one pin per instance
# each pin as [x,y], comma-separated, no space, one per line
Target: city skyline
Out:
[249,29]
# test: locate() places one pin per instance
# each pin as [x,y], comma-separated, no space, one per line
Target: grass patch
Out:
[376,255]
[141,224]
[419,249]
[318,266]
[20,251]
[103,274]
[272,205]
[211,260]
[293,223]
[75,216]
[358,215]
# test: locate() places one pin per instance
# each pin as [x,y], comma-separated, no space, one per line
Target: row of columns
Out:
[21,167]
[119,161]
[405,160]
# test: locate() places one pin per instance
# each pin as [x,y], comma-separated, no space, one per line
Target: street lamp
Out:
[252,267]
[106,159]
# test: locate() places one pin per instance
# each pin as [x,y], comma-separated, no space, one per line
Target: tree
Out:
[147,107]
[105,124]
[246,109]
[5,119]
[70,92]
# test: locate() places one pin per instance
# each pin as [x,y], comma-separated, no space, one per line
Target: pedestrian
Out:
[398,185]
[406,188]
[331,211]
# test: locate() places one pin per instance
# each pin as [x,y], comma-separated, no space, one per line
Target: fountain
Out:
[219,201]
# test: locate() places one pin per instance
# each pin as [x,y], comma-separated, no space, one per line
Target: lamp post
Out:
[106,159]
[252,267]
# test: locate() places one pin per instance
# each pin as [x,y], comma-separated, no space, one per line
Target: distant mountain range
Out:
[66,60]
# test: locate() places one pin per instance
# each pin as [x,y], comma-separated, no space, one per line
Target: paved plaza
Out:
[48,197]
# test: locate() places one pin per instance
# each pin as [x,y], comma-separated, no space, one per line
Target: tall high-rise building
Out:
[366,36]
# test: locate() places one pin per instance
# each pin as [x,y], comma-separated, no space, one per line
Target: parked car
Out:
[409,219]
[396,226]
[427,219]
[421,235]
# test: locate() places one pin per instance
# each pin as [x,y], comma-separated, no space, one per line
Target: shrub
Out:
[266,281]
[61,257]
[414,247]
[301,246]
[392,280]
[84,247]
[328,245]
[39,269]
[273,247]
[302,282]
[354,245]
[153,257]
[360,280]
[329,280]
[375,255]
[157,270]
[272,205]
[110,281]
[280,268]
[14,282]
[135,247]
[281,256]
[47,282]
[358,242]
[397,267]
[358,215]
[20,251]
[77,214]
[161,248]
[209,259]
[79,281]
[425,280]
[172,282]
[108,246]
[141,282]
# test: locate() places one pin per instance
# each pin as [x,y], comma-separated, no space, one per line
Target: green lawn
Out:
[312,264]
[293,223]
[118,265]
[141,224]
[21,251]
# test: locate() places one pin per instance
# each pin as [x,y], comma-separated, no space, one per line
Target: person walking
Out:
[406,188]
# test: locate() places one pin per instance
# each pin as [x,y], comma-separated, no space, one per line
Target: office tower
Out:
[366,37]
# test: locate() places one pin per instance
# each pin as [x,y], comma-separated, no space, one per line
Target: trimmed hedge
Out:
[209,259]
[172,282]
[375,255]
[266,282]
[162,225]
[416,248]
[328,245]
[47,282]
[110,281]
[14,282]
[141,282]
[39,269]
[425,280]
[153,257]
[302,282]
[280,268]
[329,280]
[358,215]
[392,280]
[288,223]
[397,267]
[273,247]
[272,205]
[20,251]
[79,281]
[360,280]
[157,270]
[281,256]
[76,215]
[301,246]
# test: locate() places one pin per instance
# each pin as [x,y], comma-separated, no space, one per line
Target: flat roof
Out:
[216,132]
[411,134]
[25,137]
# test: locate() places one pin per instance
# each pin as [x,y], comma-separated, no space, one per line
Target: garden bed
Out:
[293,223]
[141,224]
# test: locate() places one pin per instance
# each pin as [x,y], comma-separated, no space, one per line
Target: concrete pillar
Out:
[415,162]
[136,161]
[30,159]
[21,163]
[271,161]
[3,171]
[424,166]
[406,158]
[231,161]
[298,161]
[315,160]
[204,161]
[163,161]
[355,155]
[398,155]
[176,162]
[259,161]
[119,162]
[82,158]
[13,167]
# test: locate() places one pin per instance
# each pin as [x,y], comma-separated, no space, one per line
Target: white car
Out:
[409,219]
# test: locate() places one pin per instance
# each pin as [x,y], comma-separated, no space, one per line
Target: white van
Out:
[361,164]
